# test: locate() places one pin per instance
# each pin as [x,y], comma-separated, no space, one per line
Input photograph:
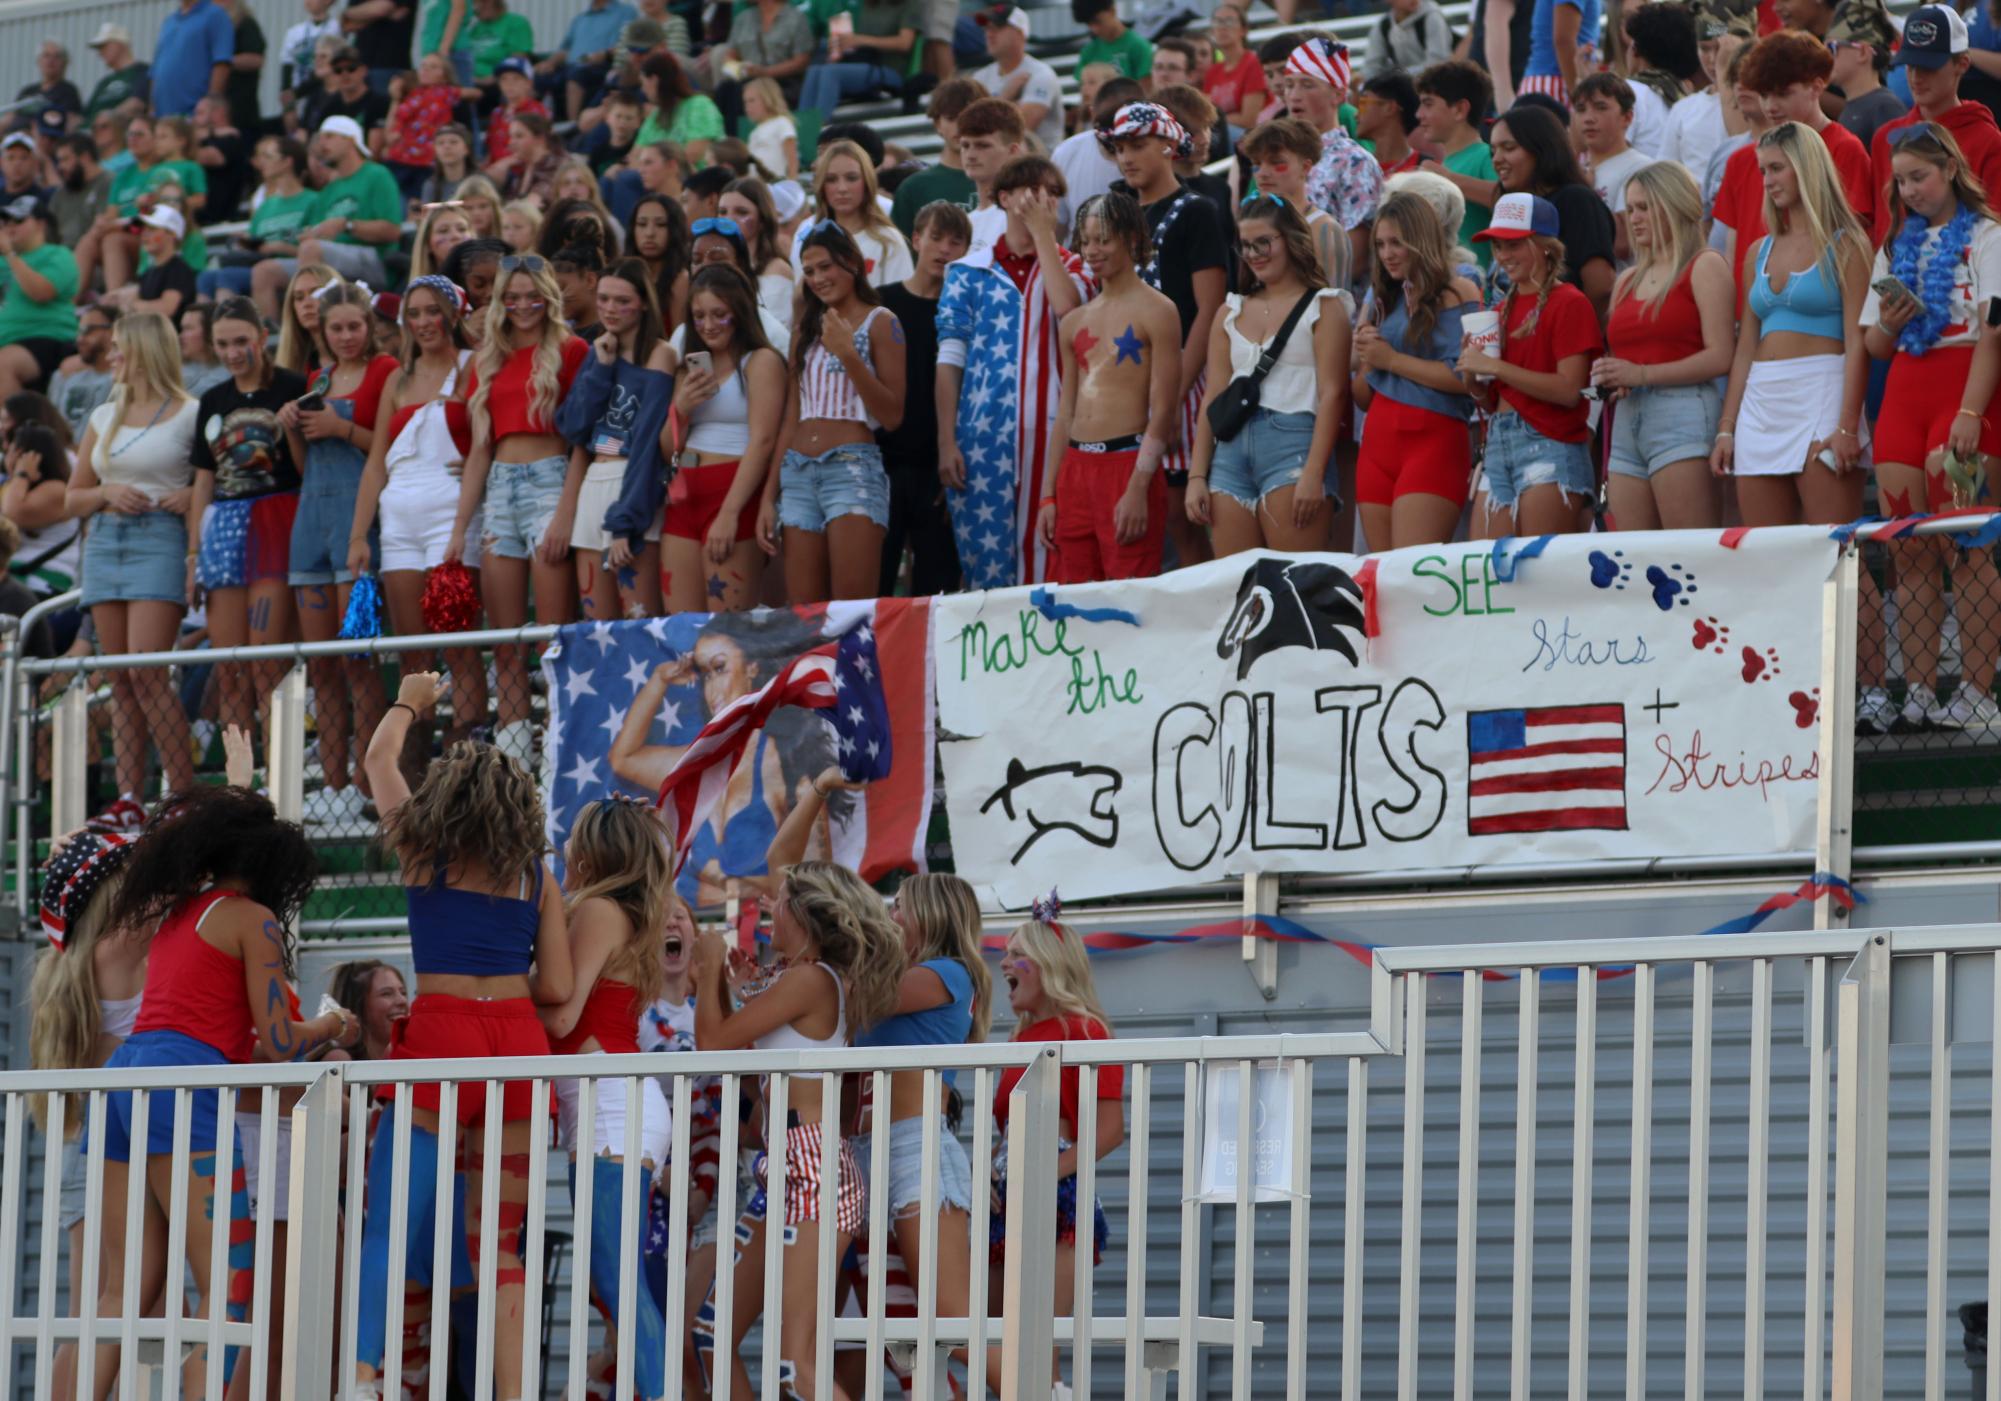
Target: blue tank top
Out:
[471,932]
[1443,346]
[745,840]
[948,1024]
[1810,305]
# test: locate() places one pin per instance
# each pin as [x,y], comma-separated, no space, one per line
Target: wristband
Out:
[1725,433]
[403,705]
[1968,412]
[1850,432]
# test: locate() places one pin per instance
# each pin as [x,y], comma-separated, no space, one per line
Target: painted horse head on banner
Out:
[1284,603]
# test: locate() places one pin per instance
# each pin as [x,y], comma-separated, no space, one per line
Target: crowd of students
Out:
[169,947]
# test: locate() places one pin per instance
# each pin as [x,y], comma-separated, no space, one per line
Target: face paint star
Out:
[1082,345]
[1127,346]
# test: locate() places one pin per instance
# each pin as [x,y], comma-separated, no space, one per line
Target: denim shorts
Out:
[1652,428]
[521,500]
[325,521]
[1268,452]
[128,558]
[848,480]
[906,1166]
[1517,458]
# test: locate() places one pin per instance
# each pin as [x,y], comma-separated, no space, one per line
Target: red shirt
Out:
[1111,1078]
[418,119]
[367,396]
[497,138]
[508,405]
[1019,267]
[1972,126]
[1567,326]
[1409,162]
[1232,89]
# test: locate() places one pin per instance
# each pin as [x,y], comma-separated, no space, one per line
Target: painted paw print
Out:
[1760,666]
[1671,586]
[1609,571]
[1806,707]
[1710,636]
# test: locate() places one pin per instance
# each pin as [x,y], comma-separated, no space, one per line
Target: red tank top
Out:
[1637,334]
[610,1016]
[193,987]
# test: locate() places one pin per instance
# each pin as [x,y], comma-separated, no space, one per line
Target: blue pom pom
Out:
[364,609]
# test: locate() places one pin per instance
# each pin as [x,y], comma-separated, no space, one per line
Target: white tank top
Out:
[157,457]
[722,425]
[1293,386]
[790,1038]
[116,1016]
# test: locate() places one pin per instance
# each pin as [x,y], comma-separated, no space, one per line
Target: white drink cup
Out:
[1482,332]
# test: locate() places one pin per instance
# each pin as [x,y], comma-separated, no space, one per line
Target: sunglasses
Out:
[727,227]
[1905,135]
[522,262]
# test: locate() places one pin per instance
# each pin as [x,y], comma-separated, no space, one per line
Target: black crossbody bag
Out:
[1233,408]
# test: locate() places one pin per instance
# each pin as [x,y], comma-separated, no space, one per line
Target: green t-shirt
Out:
[369,193]
[1130,53]
[928,186]
[696,119]
[281,218]
[193,180]
[491,40]
[113,88]
[1476,162]
[24,319]
[435,15]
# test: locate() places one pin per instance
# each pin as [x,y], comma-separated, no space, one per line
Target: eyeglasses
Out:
[726,227]
[521,262]
[1258,247]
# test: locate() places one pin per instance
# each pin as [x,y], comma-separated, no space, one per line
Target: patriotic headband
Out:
[1322,60]
[74,875]
[1048,910]
[443,286]
[1147,119]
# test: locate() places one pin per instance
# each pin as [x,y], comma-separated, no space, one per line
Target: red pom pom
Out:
[451,599]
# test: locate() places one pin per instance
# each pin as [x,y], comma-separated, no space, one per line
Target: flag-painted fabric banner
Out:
[1562,699]
[629,702]
[1822,886]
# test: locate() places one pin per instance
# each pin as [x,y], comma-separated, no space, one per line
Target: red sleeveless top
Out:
[611,1015]
[193,987]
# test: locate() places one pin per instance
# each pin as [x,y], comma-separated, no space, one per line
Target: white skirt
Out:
[1789,405]
[604,479]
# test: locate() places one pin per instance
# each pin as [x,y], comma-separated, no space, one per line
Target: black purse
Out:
[1232,409]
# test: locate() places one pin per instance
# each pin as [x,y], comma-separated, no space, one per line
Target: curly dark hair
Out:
[205,836]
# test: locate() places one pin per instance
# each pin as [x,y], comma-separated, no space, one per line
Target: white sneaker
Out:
[1922,710]
[1875,712]
[1971,709]
[334,807]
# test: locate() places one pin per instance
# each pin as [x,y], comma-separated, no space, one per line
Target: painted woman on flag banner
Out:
[733,655]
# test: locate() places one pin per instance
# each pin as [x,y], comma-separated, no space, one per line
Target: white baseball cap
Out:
[787,199]
[165,216]
[345,126]
[109,33]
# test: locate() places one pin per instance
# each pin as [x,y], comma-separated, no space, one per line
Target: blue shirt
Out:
[191,43]
[594,31]
[1542,34]
[948,1024]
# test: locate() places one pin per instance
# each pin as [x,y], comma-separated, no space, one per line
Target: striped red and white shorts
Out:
[1550,83]
[1174,466]
[802,1181]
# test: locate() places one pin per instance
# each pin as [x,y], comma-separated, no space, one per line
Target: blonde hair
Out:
[64,1029]
[422,264]
[857,938]
[1551,249]
[946,915]
[545,382]
[1429,263]
[152,350]
[523,209]
[1822,201]
[871,213]
[295,344]
[772,96]
[478,189]
[618,852]
[1058,955]
[475,806]
[1674,230]
[595,199]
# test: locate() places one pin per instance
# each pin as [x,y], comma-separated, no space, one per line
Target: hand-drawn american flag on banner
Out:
[1553,768]
[711,662]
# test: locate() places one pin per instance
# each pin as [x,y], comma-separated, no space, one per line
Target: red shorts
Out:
[270,553]
[1920,400]
[696,497]
[1406,449]
[1087,548]
[441,1027]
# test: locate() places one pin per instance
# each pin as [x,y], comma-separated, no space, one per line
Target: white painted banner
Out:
[1616,696]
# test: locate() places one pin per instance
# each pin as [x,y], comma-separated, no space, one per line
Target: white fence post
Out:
[1861,1170]
[312,1242]
[1028,1333]
[1834,816]
[70,756]
[285,745]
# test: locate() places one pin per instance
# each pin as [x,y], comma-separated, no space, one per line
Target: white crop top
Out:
[116,1016]
[1293,386]
[790,1038]
[825,391]
[156,457]
[722,425]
